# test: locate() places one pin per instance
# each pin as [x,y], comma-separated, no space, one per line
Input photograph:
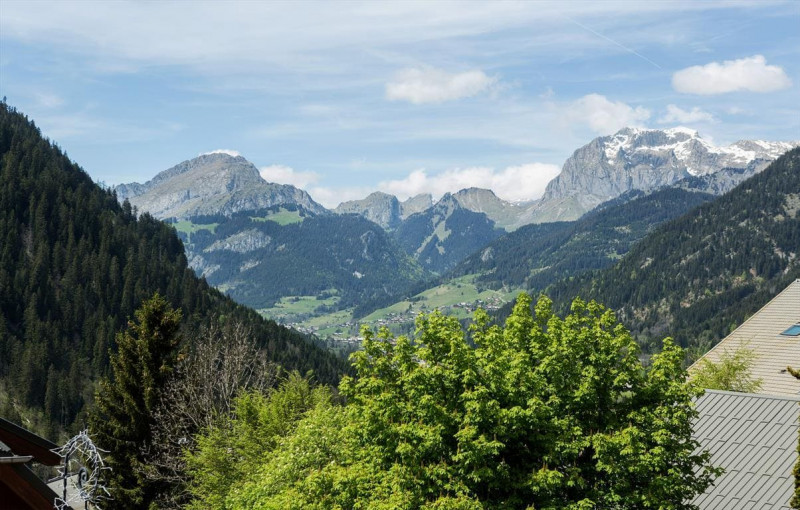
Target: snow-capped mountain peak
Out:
[647,159]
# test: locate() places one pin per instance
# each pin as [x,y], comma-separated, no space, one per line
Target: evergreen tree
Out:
[123,419]
[74,265]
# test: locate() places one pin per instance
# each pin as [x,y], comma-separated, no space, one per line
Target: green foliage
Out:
[74,265]
[545,413]
[236,449]
[123,417]
[731,372]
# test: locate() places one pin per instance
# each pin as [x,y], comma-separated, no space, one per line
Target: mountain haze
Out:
[380,208]
[538,255]
[441,236]
[258,258]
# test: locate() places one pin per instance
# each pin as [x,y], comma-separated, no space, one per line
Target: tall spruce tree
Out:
[122,420]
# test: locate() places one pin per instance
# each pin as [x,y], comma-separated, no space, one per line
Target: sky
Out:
[345,98]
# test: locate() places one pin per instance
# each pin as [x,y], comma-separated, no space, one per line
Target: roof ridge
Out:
[756,395]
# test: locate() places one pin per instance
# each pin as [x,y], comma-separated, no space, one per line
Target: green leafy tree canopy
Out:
[730,373]
[544,413]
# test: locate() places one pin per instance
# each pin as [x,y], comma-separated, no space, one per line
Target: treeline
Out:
[74,265]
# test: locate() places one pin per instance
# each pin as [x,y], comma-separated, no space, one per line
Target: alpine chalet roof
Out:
[754,437]
[761,334]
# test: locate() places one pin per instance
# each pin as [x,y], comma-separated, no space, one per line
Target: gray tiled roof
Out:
[754,437]
[761,334]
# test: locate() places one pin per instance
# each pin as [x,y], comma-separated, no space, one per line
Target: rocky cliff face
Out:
[415,204]
[211,184]
[380,208]
[485,201]
[645,159]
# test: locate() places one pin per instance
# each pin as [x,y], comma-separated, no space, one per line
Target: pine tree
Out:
[122,419]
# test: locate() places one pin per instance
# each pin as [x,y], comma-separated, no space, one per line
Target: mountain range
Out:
[264,242]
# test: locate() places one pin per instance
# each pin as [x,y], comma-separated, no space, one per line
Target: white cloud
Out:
[514,183]
[675,114]
[750,74]
[331,197]
[603,116]
[229,152]
[430,85]
[283,174]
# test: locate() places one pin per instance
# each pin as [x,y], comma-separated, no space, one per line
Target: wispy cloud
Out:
[613,41]
[430,85]
[745,74]
[675,114]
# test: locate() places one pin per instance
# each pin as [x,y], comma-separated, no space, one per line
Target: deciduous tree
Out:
[544,413]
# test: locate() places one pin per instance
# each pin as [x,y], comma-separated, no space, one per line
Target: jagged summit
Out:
[646,160]
[378,207]
[214,183]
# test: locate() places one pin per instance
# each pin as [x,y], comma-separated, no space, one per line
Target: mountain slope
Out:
[258,260]
[74,265]
[215,183]
[535,256]
[503,214]
[699,275]
[643,159]
[444,234]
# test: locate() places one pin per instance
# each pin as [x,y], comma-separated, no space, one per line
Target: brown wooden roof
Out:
[25,442]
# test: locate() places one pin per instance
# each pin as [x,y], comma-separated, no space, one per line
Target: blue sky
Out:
[346,98]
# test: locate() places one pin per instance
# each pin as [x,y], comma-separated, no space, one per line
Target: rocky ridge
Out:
[211,184]
[647,159]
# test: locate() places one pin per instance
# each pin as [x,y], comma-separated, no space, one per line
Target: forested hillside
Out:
[260,256]
[535,256]
[443,235]
[74,265]
[697,277]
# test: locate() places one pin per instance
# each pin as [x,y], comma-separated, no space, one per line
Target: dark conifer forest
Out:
[74,265]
